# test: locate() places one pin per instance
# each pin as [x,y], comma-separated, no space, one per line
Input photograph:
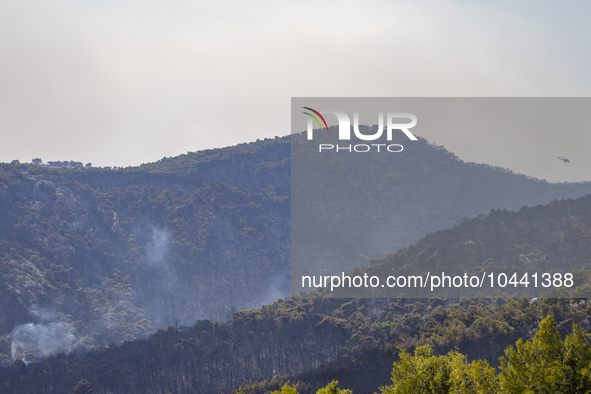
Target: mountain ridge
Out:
[110,255]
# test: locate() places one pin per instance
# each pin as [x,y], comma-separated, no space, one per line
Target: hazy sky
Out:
[128,82]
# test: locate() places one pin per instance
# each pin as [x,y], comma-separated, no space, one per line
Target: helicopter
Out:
[564,159]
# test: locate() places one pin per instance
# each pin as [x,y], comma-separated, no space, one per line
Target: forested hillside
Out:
[305,344]
[309,341]
[94,256]
[554,238]
[544,364]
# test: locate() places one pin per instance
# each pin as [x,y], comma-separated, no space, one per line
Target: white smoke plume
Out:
[32,341]
[157,249]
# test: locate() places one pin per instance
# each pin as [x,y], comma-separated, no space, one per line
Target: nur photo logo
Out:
[391,122]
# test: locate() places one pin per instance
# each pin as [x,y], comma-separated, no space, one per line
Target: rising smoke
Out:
[53,335]
[157,248]
[161,300]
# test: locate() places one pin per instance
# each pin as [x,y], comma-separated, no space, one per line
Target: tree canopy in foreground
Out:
[546,364]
